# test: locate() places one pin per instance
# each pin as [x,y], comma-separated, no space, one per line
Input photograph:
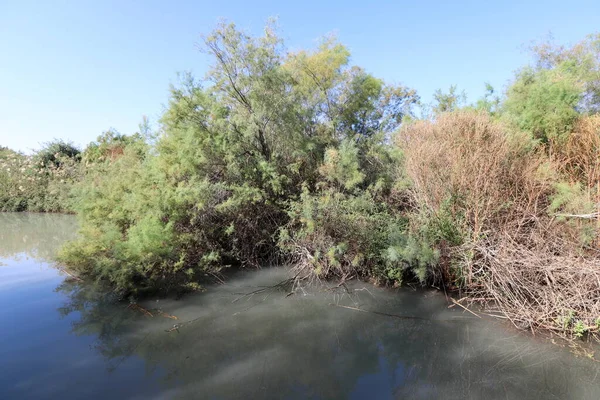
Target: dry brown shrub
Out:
[579,156]
[498,187]
[467,157]
[538,288]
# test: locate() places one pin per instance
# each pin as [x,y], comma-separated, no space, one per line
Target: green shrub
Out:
[545,102]
[39,182]
[336,234]
[227,171]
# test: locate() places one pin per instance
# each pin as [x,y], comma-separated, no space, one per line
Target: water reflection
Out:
[67,340]
[40,357]
[34,235]
[273,346]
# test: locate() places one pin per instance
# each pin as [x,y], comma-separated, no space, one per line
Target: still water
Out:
[64,340]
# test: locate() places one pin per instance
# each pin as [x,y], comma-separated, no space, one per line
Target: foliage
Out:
[232,156]
[351,224]
[279,156]
[109,145]
[54,154]
[545,102]
[123,238]
[39,182]
[490,102]
[583,61]
[450,101]
[337,234]
[547,98]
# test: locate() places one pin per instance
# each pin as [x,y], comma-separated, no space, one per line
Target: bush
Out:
[232,155]
[39,182]
[472,178]
[123,239]
[332,234]
[545,103]
[579,155]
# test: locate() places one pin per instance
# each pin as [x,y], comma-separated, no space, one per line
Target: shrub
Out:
[332,234]
[579,155]
[39,182]
[233,154]
[471,178]
[545,102]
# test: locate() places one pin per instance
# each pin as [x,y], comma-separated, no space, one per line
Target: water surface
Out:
[61,339]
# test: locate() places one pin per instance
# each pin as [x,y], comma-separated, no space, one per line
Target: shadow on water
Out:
[266,345]
[303,346]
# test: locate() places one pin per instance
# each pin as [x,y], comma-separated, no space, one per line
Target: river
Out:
[60,339]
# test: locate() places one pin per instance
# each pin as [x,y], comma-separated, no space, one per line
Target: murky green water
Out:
[62,340]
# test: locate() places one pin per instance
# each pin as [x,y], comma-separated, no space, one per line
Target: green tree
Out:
[583,60]
[448,101]
[490,102]
[234,151]
[544,102]
[563,83]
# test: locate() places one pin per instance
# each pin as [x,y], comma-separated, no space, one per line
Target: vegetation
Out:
[303,158]
[39,182]
[242,157]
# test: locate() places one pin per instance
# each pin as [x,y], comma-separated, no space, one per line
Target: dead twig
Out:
[463,307]
[281,284]
[137,307]
[380,313]
[75,277]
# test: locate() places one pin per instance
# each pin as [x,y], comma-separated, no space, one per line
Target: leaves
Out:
[233,154]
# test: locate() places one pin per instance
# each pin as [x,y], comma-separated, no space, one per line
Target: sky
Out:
[73,69]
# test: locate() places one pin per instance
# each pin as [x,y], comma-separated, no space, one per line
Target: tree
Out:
[234,151]
[450,101]
[53,152]
[583,63]
[490,102]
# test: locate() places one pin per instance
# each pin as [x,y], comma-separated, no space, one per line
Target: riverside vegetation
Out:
[302,158]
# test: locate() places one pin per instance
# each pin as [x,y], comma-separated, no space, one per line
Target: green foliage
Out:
[564,83]
[110,145]
[569,322]
[579,329]
[341,166]
[583,63]
[123,238]
[420,247]
[571,198]
[490,102]
[566,320]
[54,154]
[338,234]
[233,152]
[39,182]
[409,253]
[447,102]
[351,224]
[545,102]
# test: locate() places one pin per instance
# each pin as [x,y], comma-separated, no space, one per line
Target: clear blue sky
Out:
[72,69]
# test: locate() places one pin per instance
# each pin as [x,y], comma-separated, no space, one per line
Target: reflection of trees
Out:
[270,346]
[35,235]
[101,315]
